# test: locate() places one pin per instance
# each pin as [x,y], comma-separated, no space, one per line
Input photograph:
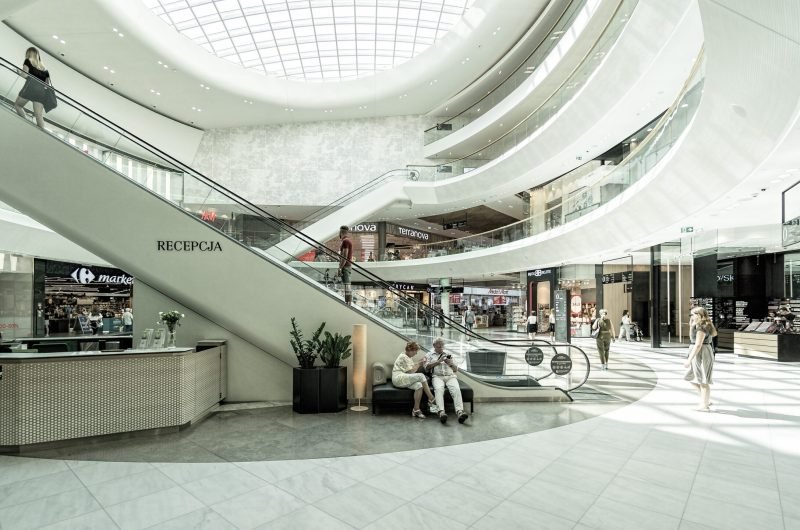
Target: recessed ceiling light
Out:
[62,41]
[115,30]
[105,68]
[120,34]
[55,37]
[112,71]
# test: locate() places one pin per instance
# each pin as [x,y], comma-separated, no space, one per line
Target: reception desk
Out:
[51,397]
[783,347]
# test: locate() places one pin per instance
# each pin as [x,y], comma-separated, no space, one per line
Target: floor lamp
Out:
[359,365]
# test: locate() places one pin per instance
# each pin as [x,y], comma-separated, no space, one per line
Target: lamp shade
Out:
[359,361]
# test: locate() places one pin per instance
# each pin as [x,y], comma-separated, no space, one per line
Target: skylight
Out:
[313,39]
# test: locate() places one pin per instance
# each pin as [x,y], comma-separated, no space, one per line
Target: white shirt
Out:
[402,364]
[440,369]
[532,319]
[552,318]
[626,320]
[127,318]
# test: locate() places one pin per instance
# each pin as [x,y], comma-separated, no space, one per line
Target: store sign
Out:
[364,227]
[534,356]
[85,276]
[562,315]
[576,305]
[538,273]
[498,291]
[454,225]
[725,278]
[189,246]
[561,364]
[409,287]
[790,234]
[413,234]
[617,277]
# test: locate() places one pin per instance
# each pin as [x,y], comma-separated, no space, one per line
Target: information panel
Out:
[561,300]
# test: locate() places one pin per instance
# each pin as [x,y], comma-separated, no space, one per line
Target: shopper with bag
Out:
[603,331]
[38,88]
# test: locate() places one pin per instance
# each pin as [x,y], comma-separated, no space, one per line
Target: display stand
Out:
[83,322]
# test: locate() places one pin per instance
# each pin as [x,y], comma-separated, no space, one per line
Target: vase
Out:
[171,338]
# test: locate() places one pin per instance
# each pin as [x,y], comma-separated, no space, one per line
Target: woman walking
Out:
[605,334]
[700,364]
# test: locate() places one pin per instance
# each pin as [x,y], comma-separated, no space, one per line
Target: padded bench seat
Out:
[388,394]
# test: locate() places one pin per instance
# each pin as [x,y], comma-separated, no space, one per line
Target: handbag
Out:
[595,332]
[50,99]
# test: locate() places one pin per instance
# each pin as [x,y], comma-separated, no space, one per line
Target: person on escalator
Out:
[37,80]
[345,262]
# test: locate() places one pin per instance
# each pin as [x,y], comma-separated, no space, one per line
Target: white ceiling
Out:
[312,40]
[147,62]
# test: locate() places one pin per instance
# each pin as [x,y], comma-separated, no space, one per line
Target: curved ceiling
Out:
[312,41]
[166,72]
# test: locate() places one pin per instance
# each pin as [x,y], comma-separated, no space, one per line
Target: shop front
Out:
[493,307]
[382,241]
[581,287]
[75,298]
[541,284]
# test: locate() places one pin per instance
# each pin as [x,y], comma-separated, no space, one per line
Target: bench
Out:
[388,394]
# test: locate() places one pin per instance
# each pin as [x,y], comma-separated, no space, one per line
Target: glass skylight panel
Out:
[312,39]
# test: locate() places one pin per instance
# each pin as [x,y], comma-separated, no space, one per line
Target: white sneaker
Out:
[432,408]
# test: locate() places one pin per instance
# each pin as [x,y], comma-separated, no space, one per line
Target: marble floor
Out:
[651,463]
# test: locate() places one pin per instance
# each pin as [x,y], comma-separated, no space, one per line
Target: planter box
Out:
[332,389]
[305,390]
[319,390]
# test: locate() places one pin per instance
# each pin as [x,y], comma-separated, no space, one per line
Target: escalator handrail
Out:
[545,103]
[8,65]
[337,202]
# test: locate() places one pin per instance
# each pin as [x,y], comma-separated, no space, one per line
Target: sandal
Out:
[417,414]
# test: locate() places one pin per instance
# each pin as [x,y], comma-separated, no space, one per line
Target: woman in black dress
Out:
[33,90]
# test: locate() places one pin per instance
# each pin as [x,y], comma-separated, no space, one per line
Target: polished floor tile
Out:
[646,461]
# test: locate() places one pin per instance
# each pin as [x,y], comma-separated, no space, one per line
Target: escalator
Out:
[205,265]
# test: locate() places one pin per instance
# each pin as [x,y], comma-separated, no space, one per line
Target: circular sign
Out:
[561,364]
[534,356]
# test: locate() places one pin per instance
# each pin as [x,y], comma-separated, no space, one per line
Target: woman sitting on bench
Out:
[404,375]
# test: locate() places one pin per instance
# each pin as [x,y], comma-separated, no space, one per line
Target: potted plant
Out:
[305,380]
[333,378]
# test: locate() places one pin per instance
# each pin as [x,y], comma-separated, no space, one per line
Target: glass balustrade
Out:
[574,18]
[520,134]
[610,182]
[256,230]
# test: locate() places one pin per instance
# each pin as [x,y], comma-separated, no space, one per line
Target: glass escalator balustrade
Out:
[566,30]
[541,115]
[127,156]
[611,181]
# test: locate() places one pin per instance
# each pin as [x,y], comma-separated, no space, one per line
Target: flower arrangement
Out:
[171,319]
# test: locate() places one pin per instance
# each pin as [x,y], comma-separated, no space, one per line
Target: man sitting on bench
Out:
[444,375]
